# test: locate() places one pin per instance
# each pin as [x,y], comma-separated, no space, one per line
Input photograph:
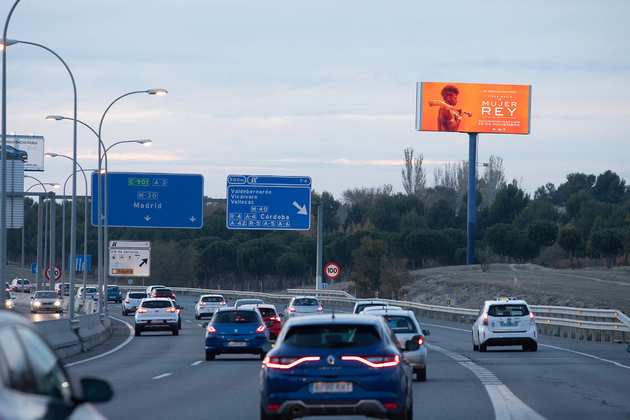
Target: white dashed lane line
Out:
[188,321]
[197,362]
[164,375]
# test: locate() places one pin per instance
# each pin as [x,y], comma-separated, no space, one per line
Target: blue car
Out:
[337,365]
[114,294]
[236,331]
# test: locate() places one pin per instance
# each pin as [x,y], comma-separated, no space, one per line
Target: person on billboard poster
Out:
[449,117]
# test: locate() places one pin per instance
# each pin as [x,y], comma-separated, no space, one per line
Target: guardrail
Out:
[605,325]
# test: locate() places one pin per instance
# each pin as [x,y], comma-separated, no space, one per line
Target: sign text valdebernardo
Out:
[473,108]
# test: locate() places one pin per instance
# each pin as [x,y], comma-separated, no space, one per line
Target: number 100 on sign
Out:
[332,270]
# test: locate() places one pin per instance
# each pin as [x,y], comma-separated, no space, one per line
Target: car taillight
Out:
[291,308]
[211,329]
[202,303]
[142,311]
[120,293]
[485,318]
[126,300]
[222,303]
[321,308]
[273,407]
[375,361]
[287,362]
[390,406]
[260,329]
[275,318]
[171,310]
[178,312]
[419,339]
[532,321]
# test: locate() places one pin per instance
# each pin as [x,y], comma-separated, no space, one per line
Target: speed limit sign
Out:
[332,270]
[57,273]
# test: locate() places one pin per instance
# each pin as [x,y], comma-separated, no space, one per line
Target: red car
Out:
[271,318]
[163,293]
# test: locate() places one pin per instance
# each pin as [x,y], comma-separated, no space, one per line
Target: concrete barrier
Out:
[61,336]
[92,331]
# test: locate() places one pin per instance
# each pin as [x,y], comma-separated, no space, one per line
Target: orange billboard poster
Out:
[473,108]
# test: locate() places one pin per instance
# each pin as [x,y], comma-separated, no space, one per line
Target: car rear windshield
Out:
[331,336]
[46,295]
[401,324]
[212,299]
[249,302]
[137,295]
[236,317]
[116,288]
[305,302]
[508,310]
[267,311]
[163,291]
[361,308]
[156,304]
[90,290]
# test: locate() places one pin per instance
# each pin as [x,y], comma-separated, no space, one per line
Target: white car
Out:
[91,292]
[157,314]
[303,305]
[505,322]
[380,308]
[208,305]
[132,301]
[154,286]
[21,285]
[406,328]
[360,306]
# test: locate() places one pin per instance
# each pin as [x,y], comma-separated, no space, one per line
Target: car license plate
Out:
[331,387]
[237,344]
[156,321]
[509,324]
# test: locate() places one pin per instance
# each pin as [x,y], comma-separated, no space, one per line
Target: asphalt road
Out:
[161,376]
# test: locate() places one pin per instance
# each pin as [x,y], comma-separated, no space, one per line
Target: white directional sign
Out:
[129,259]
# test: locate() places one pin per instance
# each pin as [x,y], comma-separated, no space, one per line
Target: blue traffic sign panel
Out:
[264,202]
[150,200]
[80,263]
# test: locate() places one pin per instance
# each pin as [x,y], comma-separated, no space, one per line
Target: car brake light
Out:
[390,406]
[321,308]
[178,312]
[211,329]
[222,303]
[419,339]
[171,310]
[273,407]
[260,329]
[485,318]
[291,308]
[532,321]
[126,300]
[142,311]
[202,303]
[275,318]
[375,361]
[287,362]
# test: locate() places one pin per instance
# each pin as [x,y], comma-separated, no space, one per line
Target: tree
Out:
[291,264]
[609,242]
[440,215]
[331,206]
[576,182]
[423,244]
[570,239]
[609,188]
[537,209]
[493,180]
[394,276]
[367,262]
[542,233]
[509,202]
[414,178]
[495,237]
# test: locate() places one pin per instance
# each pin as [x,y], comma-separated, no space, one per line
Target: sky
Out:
[325,89]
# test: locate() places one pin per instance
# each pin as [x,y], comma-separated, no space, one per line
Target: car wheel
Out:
[138,331]
[176,331]
[475,347]
[265,416]
[483,348]
[179,325]
[209,356]
[124,312]
[533,347]
[421,374]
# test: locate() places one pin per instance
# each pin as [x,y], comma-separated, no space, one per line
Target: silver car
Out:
[45,300]
[90,292]
[132,301]
[303,305]
[405,326]
[208,304]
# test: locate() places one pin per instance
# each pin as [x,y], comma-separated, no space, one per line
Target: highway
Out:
[161,376]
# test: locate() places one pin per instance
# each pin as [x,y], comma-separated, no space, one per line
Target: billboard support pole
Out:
[472,187]
[320,243]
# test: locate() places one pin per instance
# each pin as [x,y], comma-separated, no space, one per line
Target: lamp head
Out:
[54,117]
[54,184]
[9,43]
[145,142]
[157,92]
[50,154]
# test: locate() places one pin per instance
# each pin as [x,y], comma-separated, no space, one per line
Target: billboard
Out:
[34,148]
[473,108]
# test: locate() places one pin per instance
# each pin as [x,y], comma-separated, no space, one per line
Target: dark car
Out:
[235,331]
[337,365]
[163,293]
[15,154]
[33,384]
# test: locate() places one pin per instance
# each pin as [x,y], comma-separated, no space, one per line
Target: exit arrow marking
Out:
[147,218]
[192,219]
[144,261]
[302,209]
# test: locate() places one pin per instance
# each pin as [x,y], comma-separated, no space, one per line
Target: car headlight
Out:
[57,303]
[38,303]
[9,302]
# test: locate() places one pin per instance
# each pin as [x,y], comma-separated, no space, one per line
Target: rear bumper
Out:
[298,408]
[220,346]
[164,326]
[491,339]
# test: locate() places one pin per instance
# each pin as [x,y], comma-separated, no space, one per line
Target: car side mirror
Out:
[426,332]
[269,323]
[32,297]
[96,390]
[281,315]
[205,325]
[412,345]
[13,297]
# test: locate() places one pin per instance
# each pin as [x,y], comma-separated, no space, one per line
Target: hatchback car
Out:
[242,302]
[406,327]
[337,365]
[45,300]
[33,384]
[360,306]
[271,317]
[21,285]
[154,286]
[90,293]
[163,292]
[235,331]
[9,298]
[132,301]
[114,294]
[303,305]
[505,322]
[157,314]
[66,289]
[208,304]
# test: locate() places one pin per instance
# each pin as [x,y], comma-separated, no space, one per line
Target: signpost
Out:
[265,202]
[151,200]
[57,273]
[129,258]
[332,272]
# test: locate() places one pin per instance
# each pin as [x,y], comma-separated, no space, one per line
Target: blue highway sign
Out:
[266,202]
[150,200]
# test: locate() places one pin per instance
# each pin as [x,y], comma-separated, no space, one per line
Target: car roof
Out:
[157,299]
[345,319]
[259,305]
[506,302]
[382,308]
[380,302]
[240,308]
[304,297]
[202,296]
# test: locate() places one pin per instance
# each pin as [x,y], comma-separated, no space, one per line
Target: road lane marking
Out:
[188,321]
[506,405]
[164,375]
[127,341]
[197,362]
